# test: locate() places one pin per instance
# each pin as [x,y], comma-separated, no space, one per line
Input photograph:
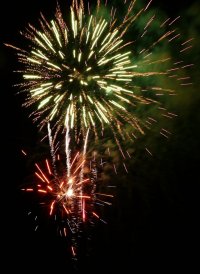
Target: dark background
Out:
[153,222]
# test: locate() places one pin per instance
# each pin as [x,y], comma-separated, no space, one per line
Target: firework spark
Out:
[84,66]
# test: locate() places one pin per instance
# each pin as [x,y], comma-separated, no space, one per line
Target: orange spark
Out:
[51,207]
[48,167]
[42,173]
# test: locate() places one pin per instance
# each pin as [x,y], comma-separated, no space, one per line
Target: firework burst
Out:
[69,192]
[84,66]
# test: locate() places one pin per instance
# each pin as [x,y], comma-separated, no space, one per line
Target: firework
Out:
[68,192]
[85,66]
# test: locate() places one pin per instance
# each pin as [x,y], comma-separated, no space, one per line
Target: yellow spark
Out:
[116,104]
[53,65]
[135,66]
[84,116]
[79,57]
[73,21]
[39,54]
[102,107]
[53,112]
[56,33]
[121,59]
[74,53]
[102,115]
[58,98]
[44,102]
[31,76]
[76,28]
[72,120]
[101,29]
[58,86]
[90,55]
[46,84]
[98,116]
[123,63]
[95,30]
[91,119]
[91,17]
[34,61]
[40,90]
[40,43]
[114,46]
[61,54]
[123,79]
[104,45]
[126,75]
[44,37]
[102,82]
[90,99]
[122,98]
[87,38]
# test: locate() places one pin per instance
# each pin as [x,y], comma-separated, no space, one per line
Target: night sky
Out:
[152,224]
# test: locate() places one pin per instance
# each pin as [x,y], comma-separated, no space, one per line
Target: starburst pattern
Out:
[67,187]
[83,65]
